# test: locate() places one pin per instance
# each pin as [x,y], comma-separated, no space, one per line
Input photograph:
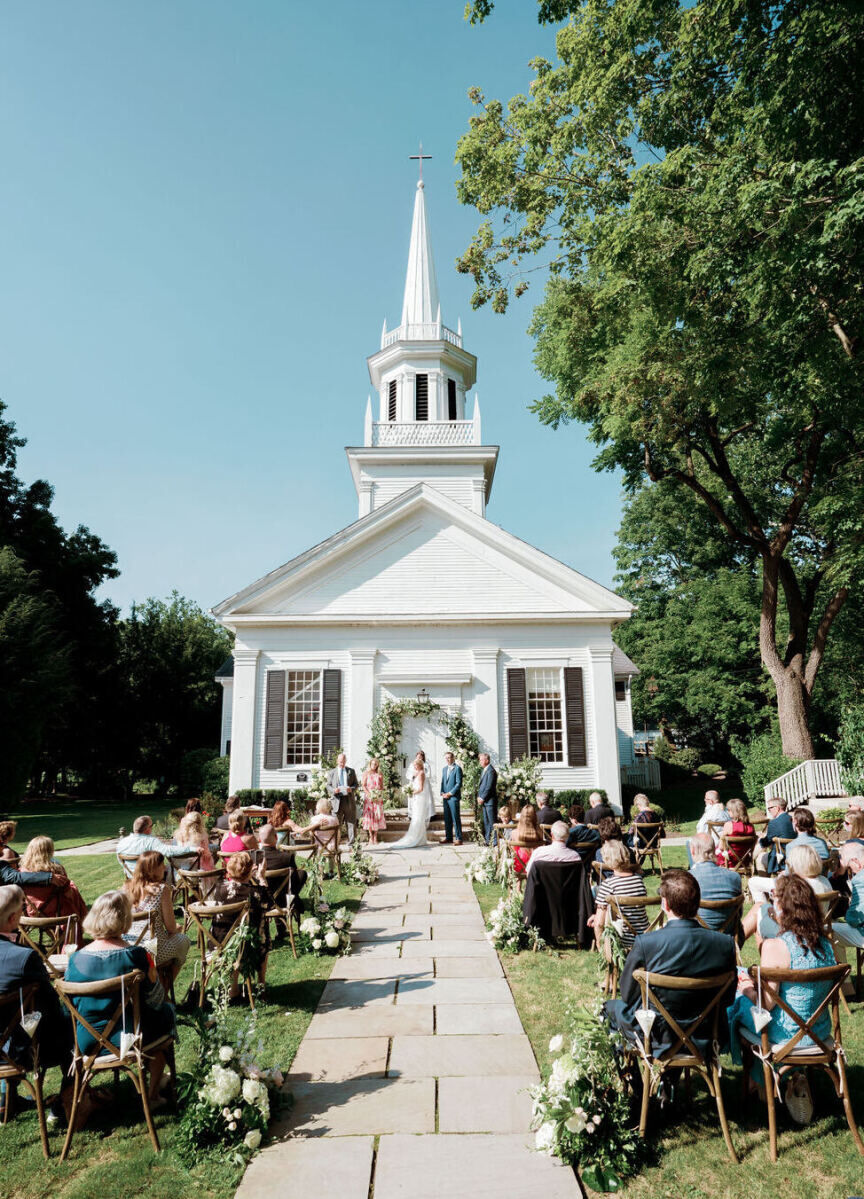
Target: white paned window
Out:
[302,717]
[545,715]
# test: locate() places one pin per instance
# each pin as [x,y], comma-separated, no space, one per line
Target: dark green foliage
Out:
[214,777]
[563,799]
[709,769]
[192,767]
[762,760]
[249,795]
[850,748]
[687,758]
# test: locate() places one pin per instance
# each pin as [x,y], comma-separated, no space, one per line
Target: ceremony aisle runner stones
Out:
[412,1079]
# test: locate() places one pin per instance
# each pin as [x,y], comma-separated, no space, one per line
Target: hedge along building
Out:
[518,642]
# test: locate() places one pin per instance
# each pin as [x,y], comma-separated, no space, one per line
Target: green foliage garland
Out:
[386,729]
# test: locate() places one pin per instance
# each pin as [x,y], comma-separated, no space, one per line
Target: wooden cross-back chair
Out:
[128,862]
[780,844]
[48,935]
[326,845]
[646,843]
[684,1054]
[742,849]
[831,831]
[284,902]
[212,947]
[826,1052]
[103,1055]
[546,833]
[622,907]
[828,901]
[193,886]
[732,907]
[29,1073]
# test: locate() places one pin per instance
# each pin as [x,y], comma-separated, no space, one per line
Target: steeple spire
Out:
[420,305]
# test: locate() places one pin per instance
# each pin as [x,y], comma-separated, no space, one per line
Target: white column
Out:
[607,769]
[486,721]
[361,686]
[365,493]
[243,719]
[478,496]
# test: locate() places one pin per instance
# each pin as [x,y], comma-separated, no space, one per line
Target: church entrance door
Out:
[418,732]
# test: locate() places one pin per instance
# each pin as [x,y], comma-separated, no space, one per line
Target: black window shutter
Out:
[451,399]
[331,723]
[517,713]
[574,707]
[421,397]
[274,721]
[391,400]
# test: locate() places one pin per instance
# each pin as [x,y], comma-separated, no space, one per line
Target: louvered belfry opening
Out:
[391,400]
[451,399]
[421,397]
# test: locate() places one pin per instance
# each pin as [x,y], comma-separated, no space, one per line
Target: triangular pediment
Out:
[422,555]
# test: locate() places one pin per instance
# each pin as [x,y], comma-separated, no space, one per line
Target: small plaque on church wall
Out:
[302,778]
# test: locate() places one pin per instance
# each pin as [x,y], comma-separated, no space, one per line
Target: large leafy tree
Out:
[695,175]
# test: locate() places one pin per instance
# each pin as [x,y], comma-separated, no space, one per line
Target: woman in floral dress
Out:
[373,801]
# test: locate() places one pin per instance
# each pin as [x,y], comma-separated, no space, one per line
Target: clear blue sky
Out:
[205,218]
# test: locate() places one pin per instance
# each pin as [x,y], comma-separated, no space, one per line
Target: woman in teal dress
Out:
[800,945]
[108,956]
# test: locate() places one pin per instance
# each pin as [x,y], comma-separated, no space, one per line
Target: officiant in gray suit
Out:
[451,797]
[342,785]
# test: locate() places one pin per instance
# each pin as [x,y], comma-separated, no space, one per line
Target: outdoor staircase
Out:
[398,821]
[815,783]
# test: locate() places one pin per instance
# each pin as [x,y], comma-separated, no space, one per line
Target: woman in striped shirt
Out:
[625,880]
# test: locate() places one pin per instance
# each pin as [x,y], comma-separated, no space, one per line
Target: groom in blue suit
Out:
[451,794]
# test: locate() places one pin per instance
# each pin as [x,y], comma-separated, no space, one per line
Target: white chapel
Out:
[518,642]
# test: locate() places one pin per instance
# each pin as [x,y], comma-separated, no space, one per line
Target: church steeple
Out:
[420,305]
[422,374]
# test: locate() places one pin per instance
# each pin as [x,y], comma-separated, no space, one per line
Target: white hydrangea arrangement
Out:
[228,1096]
[519,781]
[483,867]
[507,929]
[359,869]
[326,930]
[318,787]
[581,1111]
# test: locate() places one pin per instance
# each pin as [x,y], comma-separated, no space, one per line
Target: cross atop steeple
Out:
[419,158]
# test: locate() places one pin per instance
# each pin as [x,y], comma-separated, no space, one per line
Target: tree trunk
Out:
[792,710]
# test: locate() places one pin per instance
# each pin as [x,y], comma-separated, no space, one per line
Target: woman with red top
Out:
[373,801]
[738,825]
[526,838]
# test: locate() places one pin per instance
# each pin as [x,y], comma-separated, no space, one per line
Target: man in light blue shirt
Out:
[141,840]
[715,882]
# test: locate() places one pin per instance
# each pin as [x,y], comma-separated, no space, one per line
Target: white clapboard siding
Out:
[460,490]
[430,569]
[270,779]
[624,721]
[227,710]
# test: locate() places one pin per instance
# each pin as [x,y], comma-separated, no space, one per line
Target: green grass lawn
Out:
[688,1155]
[113,1157]
[71,822]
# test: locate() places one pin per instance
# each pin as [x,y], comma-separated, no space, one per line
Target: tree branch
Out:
[817,653]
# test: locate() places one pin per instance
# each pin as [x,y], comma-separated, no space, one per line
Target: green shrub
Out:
[192,767]
[564,799]
[214,777]
[709,769]
[272,797]
[762,760]
[850,748]
[687,758]
[249,795]
[663,750]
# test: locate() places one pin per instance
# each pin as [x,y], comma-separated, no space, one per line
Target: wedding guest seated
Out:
[526,838]
[280,816]
[239,884]
[801,860]
[545,813]
[801,944]
[505,815]
[610,830]
[682,948]
[851,930]
[194,805]
[714,813]
[805,833]
[738,825]
[598,809]
[148,892]
[192,834]
[321,826]
[10,855]
[625,880]
[49,899]
[239,837]
[19,967]
[7,833]
[779,825]
[715,882]
[276,858]
[853,827]
[556,851]
[232,803]
[581,834]
[12,876]
[108,956]
[644,815]
[141,840]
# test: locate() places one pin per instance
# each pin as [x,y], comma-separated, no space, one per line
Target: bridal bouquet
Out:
[228,1097]
[507,929]
[581,1111]
[326,932]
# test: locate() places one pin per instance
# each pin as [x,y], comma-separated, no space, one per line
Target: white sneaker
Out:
[799,1101]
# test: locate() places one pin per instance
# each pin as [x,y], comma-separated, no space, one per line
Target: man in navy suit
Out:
[779,825]
[451,794]
[487,794]
[684,949]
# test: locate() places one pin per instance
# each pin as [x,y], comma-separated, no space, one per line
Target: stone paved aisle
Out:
[411,1079]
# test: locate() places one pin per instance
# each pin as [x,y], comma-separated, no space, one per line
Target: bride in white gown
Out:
[421,807]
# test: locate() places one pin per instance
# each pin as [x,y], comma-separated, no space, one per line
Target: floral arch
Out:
[386,729]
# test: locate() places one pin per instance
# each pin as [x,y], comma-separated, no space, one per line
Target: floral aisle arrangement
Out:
[507,929]
[485,867]
[582,1111]
[228,1098]
[326,931]
[519,781]
[318,788]
[359,869]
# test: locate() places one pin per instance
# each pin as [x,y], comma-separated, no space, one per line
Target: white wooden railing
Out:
[426,432]
[644,772]
[817,778]
[432,331]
